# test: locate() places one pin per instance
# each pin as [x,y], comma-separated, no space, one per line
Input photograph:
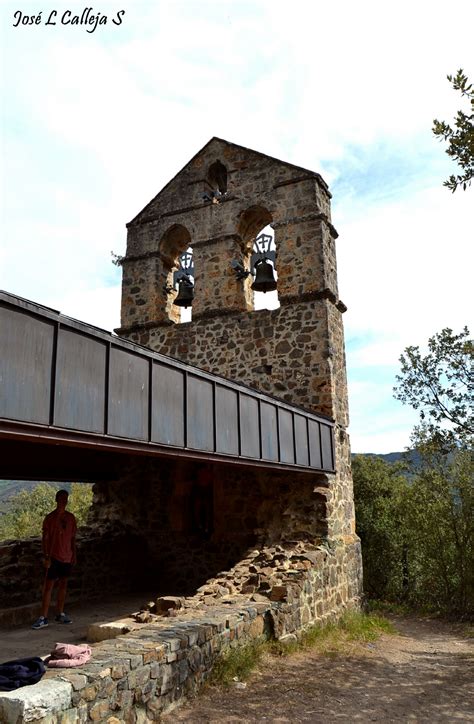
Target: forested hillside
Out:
[10,488]
[23,510]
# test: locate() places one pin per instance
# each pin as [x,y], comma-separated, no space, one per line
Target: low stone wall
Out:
[135,677]
[20,571]
[102,559]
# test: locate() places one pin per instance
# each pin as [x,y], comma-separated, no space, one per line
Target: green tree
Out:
[417,532]
[439,520]
[440,505]
[461,138]
[440,384]
[27,509]
[80,501]
[379,491]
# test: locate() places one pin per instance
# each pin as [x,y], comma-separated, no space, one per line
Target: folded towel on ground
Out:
[21,672]
[67,655]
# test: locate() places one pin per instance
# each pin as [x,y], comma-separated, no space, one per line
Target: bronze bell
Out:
[185,293]
[264,279]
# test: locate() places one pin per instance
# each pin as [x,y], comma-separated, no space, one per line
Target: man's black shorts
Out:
[58,569]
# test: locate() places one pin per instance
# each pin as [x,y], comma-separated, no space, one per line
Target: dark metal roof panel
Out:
[81,382]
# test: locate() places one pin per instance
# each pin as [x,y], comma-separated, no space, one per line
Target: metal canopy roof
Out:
[67,383]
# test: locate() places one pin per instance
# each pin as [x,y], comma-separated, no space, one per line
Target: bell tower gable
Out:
[223,197]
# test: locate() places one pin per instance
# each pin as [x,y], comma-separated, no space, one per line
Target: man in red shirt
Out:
[59,550]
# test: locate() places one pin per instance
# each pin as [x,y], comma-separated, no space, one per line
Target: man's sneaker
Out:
[63,618]
[42,622]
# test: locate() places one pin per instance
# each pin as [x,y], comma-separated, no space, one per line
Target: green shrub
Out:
[236,664]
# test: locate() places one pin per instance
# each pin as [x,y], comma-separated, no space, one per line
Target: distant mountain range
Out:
[395,457]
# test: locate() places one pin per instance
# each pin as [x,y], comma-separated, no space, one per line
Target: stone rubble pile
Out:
[272,573]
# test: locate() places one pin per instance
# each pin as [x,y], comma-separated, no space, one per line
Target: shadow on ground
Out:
[22,642]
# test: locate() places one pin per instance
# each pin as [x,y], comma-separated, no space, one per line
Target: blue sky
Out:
[94,124]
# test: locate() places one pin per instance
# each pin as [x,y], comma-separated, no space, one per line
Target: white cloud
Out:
[95,124]
[378,423]
[383,353]
[405,272]
[405,268]
[99,307]
[378,442]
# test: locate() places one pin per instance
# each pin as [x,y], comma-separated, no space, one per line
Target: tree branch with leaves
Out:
[460,138]
[440,385]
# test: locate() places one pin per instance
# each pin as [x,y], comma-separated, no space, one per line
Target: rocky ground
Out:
[425,673]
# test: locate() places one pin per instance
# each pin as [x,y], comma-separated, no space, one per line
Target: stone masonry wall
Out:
[295,352]
[285,352]
[137,676]
[260,190]
[97,570]
[243,507]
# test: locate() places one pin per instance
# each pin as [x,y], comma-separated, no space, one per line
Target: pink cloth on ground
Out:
[67,655]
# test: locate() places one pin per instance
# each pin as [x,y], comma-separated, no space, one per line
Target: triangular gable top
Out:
[234,145]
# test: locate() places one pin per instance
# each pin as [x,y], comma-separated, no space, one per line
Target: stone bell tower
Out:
[216,205]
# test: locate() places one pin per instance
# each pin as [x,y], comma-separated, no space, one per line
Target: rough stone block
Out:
[192,637]
[173,643]
[145,693]
[99,711]
[124,698]
[119,671]
[142,675]
[256,627]
[279,593]
[78,681]
[169,678]
[164,603]
[46,698]
[89,693]
[103,631]
[70,716]
[183,671]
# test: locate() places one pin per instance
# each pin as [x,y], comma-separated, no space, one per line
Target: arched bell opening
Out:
[183,281]
[259,252]
[178,268]
[264,285]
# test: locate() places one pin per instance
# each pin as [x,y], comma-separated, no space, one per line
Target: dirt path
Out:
[423,674]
